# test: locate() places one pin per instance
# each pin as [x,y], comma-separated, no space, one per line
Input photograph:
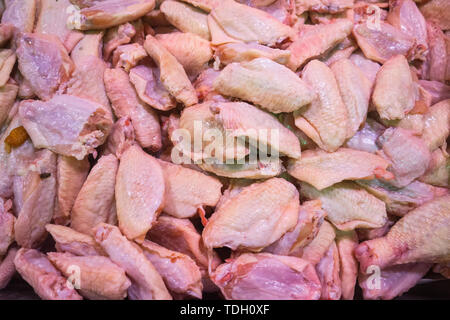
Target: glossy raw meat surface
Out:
[224,149]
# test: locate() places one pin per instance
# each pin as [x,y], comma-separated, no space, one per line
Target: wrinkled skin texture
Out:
[283,92]
[393,94]
[100,278]
[319,246]
[146,283]
[258,216]
[348,206]
[355,89]
[94,202]
[322,169]
[326,119]
[45,279]
[242,120]
[282,278]
[139,192]
[420,236]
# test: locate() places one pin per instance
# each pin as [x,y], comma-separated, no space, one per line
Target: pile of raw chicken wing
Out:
[94,93]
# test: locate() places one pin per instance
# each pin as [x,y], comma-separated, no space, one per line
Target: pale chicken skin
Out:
[248,24]
[7,220]
[395,280]
[314,41]
[7,267]
[322,169]
[66,124]
[420,236]
[150,89]
[349,206]
[95,199]
[146,282]
[70,176]
[328,271]
[20,14]
[326,119]
[310,219]
[105,14]
[289,278]
[186,18]
[346,244]
[121,137]
[180,273]
[139,192]
[190,50]
[34,196]
[381,44]
[73,242]
[393,93]
[258,216]
[52,19]
[45,279]
[44,62]
[248,81]
[125,102]
[224,149]
[187,191]
[243,52]
[172,74]
[100,278]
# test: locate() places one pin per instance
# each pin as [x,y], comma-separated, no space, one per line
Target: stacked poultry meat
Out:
[100,99]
